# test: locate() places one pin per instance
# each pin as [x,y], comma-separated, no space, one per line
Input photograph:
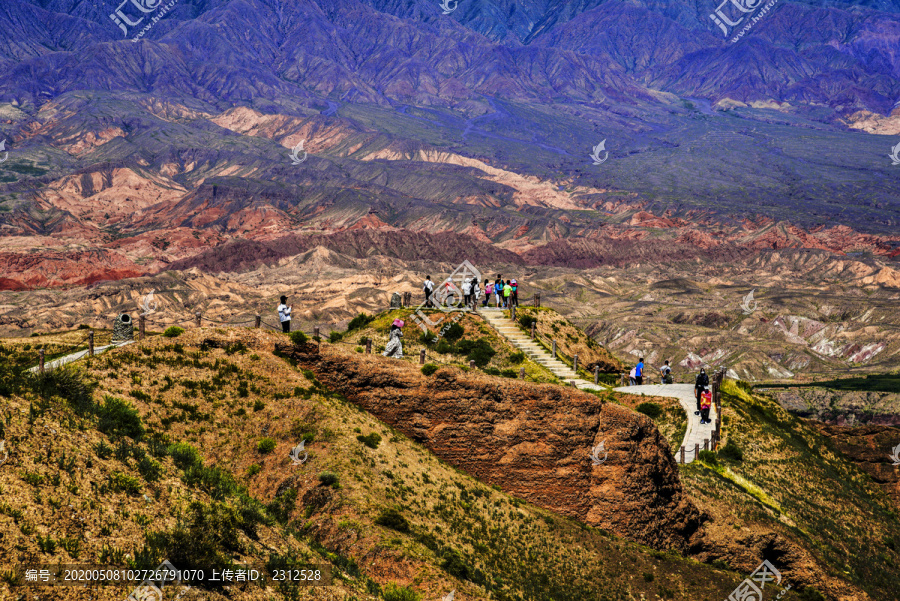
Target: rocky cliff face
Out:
[533,441]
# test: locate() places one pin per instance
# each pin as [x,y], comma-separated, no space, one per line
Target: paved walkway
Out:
[696,433]
[76,356]
[534,351]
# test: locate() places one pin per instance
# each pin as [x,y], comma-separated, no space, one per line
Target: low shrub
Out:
[184,455]
[149,469]
[732,452]
[253,470]
[282,505]
[370,440]
[119,418]
[395,592]
[266,445]
[454,332]
[651,410]
[214,481]
[393,519]
[335,336]
[206,540]
[329,479]
[509,373]
[709,457]
[810,594]
[517,357]
[445,348]
[360,321]
[479,351]
[173,332]
[526,320]
[298,338]
[429,368]
[68,383]
[119,482]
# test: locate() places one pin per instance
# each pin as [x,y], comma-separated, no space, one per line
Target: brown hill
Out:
[531,440]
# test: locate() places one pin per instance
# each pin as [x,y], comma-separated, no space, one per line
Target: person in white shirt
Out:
[428,289]
[467,292]
[284,314]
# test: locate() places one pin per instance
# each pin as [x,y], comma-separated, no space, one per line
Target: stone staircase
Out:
[534,351]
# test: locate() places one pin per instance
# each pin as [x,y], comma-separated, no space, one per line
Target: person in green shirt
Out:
[507,290]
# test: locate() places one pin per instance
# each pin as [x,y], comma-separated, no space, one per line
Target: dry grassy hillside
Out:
[177,448]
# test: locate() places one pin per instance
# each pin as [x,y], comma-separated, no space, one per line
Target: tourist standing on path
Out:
[467,292]
[394,346]
[699,386]
[428,289]
[514,297]
[507,291]
[632,376]
[498,291]
[705,404]
[639,371]
[284,315]
[666,373]
[488,291]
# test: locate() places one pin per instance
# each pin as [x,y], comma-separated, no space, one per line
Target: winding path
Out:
[76,356]
[696,433]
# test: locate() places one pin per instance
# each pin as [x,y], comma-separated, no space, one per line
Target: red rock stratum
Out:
[532,440]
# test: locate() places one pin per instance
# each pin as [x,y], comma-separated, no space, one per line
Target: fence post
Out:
[521,373]
[537,300]
[142,326]
[91,343]
[532,330]
[471,365]
[512,312]
[554,349]
[696,450]
[572,382]
[368,346]
[42,359]
[596,374]
[422,357]
[622,379]
[705,444]
[682,453]
[575,363]
[258,321]
[197,318]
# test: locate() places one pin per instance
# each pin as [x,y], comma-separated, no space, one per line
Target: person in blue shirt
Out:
[639,371]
